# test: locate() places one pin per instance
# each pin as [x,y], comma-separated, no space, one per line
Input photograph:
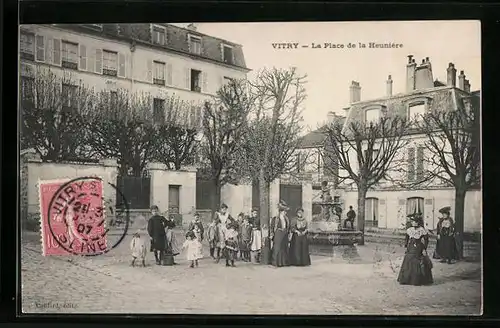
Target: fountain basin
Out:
[340,237]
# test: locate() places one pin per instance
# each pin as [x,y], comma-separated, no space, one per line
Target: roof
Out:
[446,97]
[177,40]
[317,137]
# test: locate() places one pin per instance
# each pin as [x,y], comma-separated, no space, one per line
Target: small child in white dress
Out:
[138,248]
[194,249]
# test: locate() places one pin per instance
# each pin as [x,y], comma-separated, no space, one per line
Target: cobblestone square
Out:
[107,284]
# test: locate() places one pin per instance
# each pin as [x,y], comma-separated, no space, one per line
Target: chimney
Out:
[192,27]
[389,86]
[451,73]
[423,75]
[467,86]
[461,80]
[355,92]
[410,74]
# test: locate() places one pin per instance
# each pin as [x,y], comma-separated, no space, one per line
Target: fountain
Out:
[327,228]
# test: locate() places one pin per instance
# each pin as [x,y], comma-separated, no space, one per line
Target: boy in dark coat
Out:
[156,230]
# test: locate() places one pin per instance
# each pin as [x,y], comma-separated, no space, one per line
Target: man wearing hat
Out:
[446,249]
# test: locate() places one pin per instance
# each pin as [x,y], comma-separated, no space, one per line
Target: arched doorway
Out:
[371,212]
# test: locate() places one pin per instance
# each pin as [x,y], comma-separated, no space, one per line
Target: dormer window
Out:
[227,54]
[416,112]
[372,116]
[194,44]
[159,34]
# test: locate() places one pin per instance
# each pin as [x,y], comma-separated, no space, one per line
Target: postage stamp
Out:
[73,217]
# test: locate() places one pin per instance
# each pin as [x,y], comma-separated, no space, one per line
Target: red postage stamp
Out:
[72,217]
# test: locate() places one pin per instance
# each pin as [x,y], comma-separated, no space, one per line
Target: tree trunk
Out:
[264,187]
[216,194]
[459,219]
[360,218]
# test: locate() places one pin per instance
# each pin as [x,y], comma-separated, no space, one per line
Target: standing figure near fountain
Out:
[327,201]
[299,246]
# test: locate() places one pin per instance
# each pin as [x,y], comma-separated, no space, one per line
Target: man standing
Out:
[156,230]
[351,215]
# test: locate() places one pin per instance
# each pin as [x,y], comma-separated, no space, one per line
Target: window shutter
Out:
[149,73]
[98,61]
[169,74]
[48,49]
[420,163]
[187,77]
[429,213]
[204,82]
[56,56]
[121,65]
[40,48]
[83,57]
[411,164]
[91,59]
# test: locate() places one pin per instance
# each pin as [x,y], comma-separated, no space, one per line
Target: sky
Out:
[331,70]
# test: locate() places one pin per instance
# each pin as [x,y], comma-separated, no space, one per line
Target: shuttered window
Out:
[40,48]
[27,45]
[109,63]
[69,55]
[158,73]
[121,65]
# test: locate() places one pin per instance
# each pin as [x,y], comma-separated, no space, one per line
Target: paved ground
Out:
[332,285]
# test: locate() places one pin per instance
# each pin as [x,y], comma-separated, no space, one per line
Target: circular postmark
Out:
[77,217]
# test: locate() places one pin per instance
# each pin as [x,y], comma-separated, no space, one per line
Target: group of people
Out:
[282,243]
[416,268]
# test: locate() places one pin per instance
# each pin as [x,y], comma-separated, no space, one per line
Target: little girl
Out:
[245,239]
[231,247]
[138,248]
[193,247]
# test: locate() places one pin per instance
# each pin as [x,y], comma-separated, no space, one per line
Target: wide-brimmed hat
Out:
[446,209]
[283,206]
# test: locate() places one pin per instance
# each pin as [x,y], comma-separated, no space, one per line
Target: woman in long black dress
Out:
[416,268]
[279,230]
[299,246]
[446,246]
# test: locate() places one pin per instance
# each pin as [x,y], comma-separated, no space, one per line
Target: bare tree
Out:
[365,154]
[121,126]
[453,152]
[224,126]
[175,139]
[51,114]
[274,131]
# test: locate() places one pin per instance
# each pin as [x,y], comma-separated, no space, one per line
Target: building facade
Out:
[388,204]
[155,59]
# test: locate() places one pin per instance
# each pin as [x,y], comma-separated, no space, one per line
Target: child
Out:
[197,227]
[245,238]
[138,248]
[231,247]
[213,237]
[193,247]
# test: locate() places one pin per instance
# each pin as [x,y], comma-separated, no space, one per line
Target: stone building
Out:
[160,60]
[388,204]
